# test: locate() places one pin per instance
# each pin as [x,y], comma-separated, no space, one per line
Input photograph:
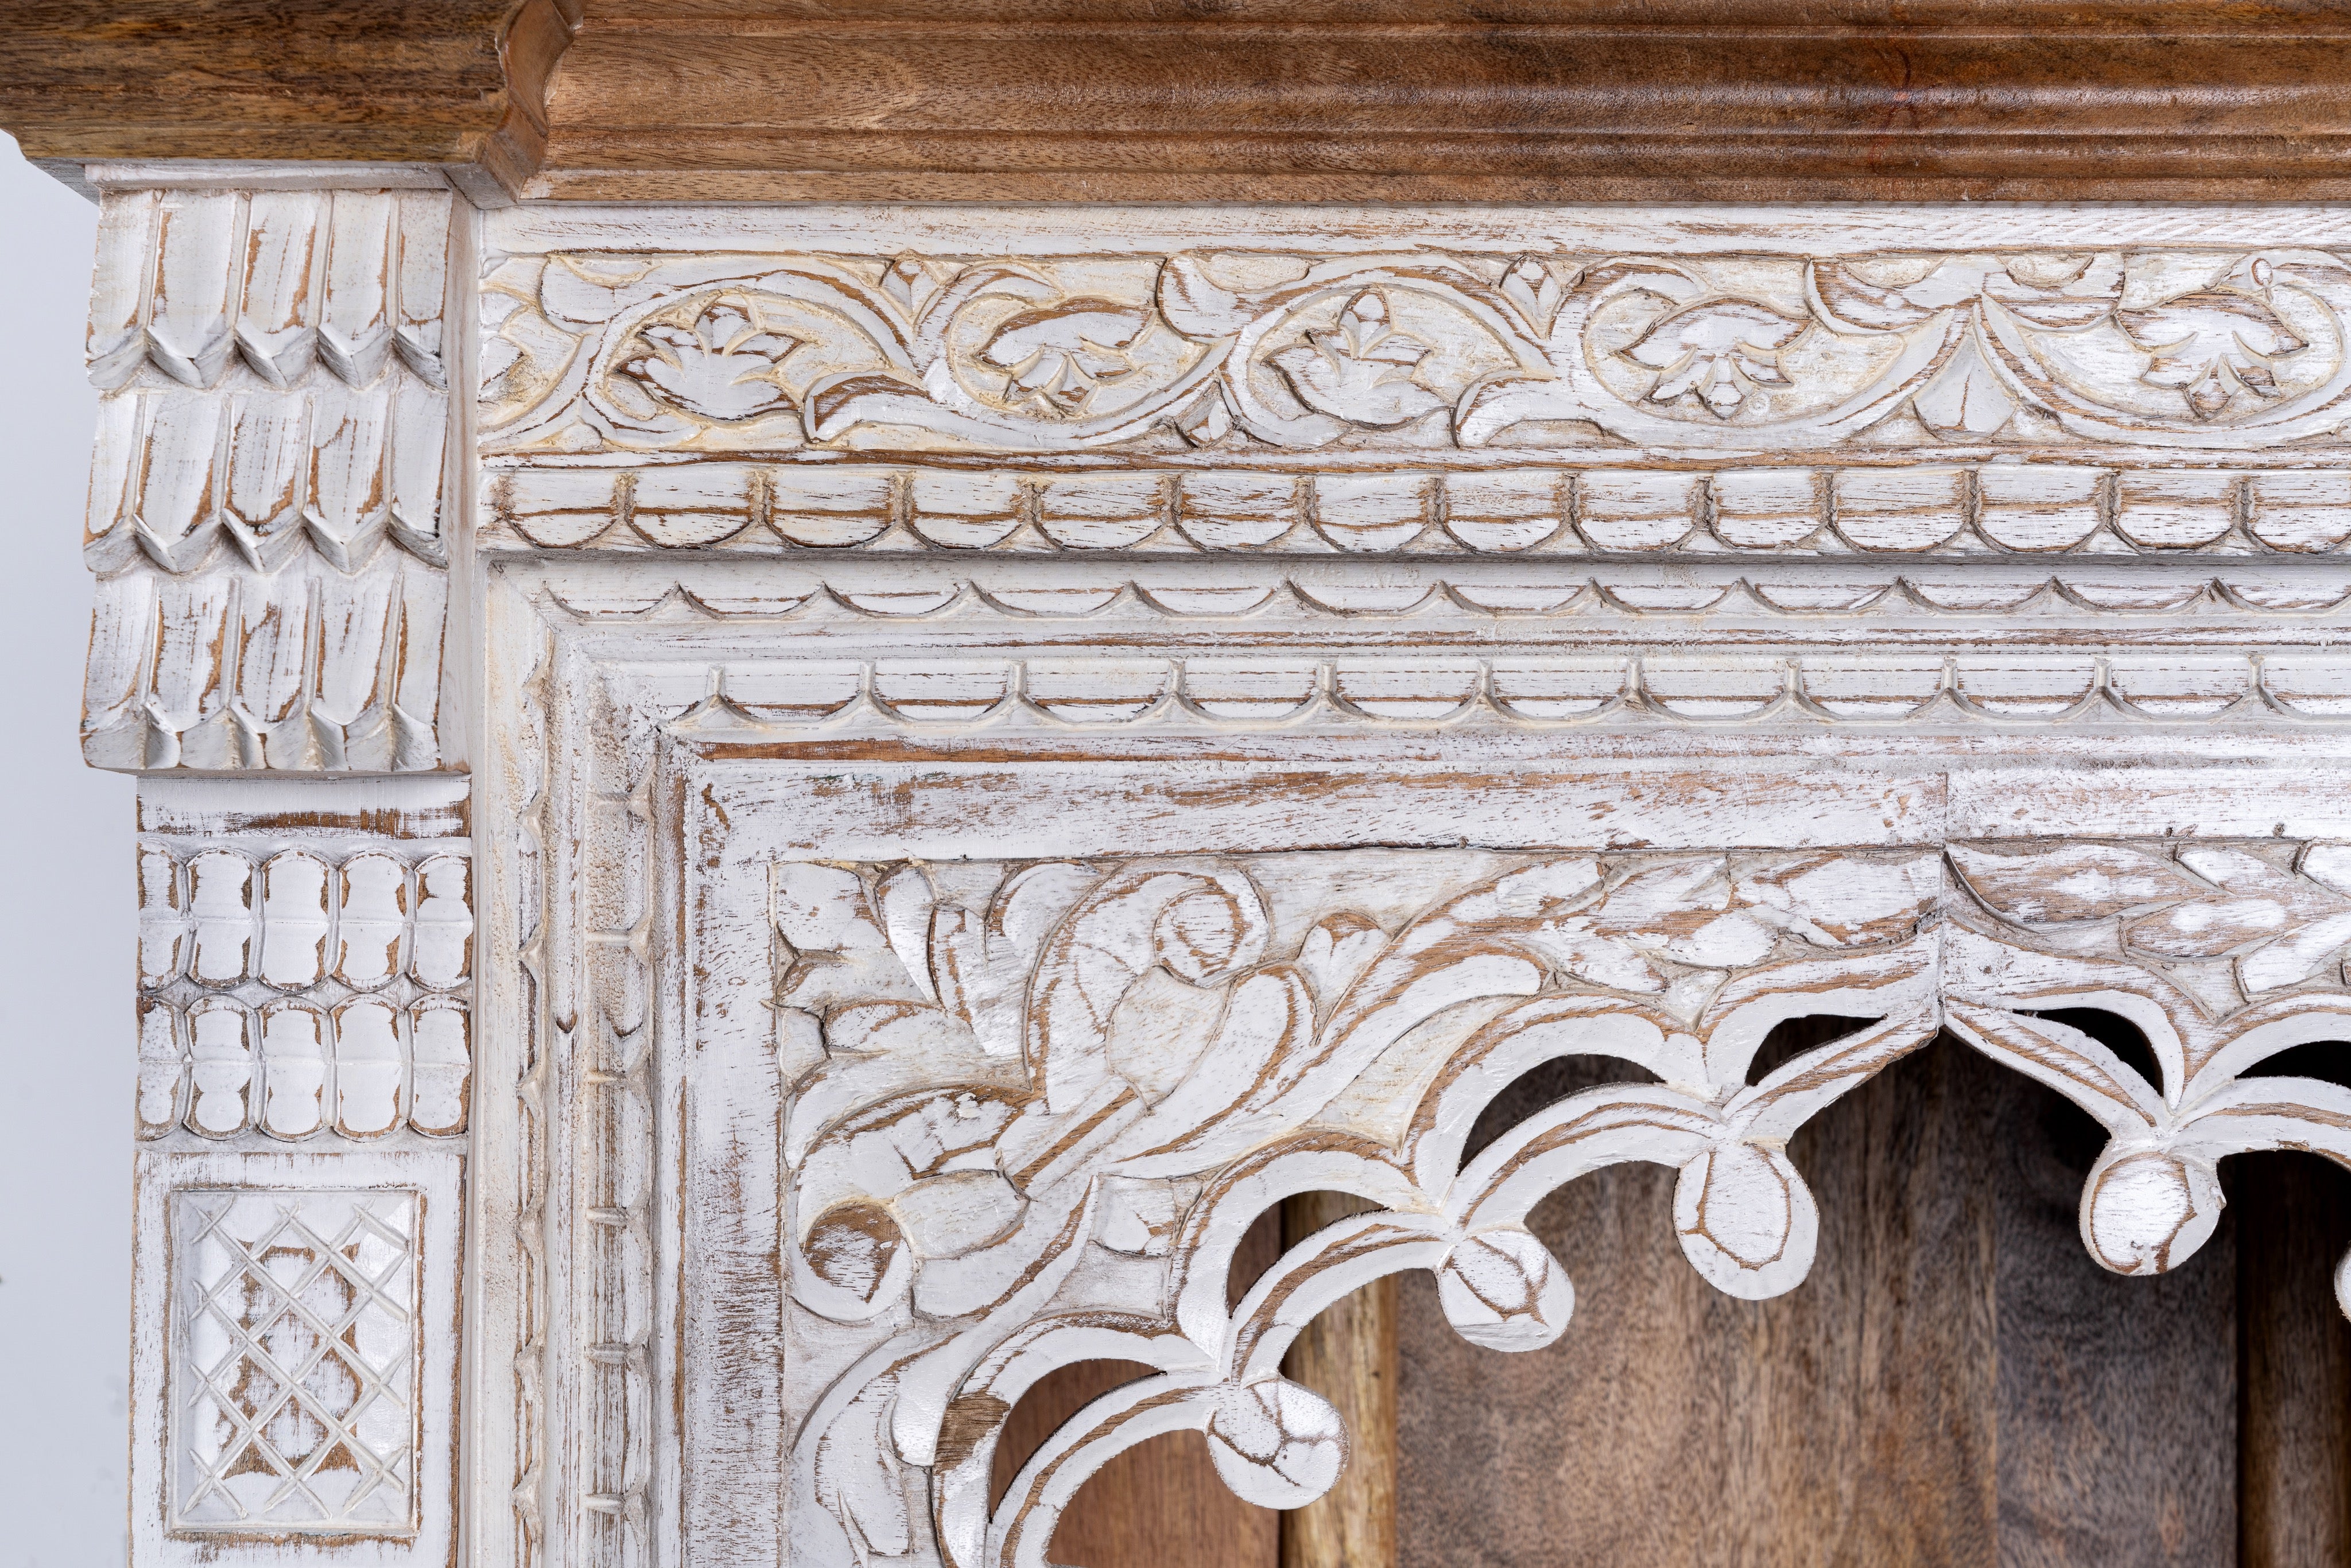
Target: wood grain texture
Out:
[2117,1398]
[2293,1212]
[1349,1356]
[1514,388]
[1159,1505]
[266,498]
[1851,1422]
[1958,1383]
[1266,101]
[1743,99]
[1197,982]
[913,984]
[268,79]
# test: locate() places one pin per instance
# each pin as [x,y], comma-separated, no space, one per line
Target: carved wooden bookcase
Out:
[760,824]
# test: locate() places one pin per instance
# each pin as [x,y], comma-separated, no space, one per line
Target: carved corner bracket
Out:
[1052,1097]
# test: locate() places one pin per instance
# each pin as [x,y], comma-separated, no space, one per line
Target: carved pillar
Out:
[270,521]
[1011,742]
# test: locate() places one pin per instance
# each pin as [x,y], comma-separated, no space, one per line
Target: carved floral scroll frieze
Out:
[1419,347]
[1050,1097]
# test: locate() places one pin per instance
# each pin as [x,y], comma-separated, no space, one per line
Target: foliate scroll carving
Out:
[1814,524]
[2222,956]
[265,511]
[1425,346]
[2247,922]
[1002,1147]
[1051,1096]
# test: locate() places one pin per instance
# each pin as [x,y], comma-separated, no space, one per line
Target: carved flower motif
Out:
[1361,369]
[722,368]
[1529,286]
[1057,355]
[2215,344]
[1718,349]
[2070,293]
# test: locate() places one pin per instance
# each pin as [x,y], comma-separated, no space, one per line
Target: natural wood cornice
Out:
[460,83]
[1251,99]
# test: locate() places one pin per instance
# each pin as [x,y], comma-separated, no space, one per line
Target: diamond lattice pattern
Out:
[295,1361]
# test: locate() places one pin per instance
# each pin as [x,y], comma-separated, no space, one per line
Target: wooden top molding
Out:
[1243,100]
[454,82]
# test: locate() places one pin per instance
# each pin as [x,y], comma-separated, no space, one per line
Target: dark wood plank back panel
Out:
[2118,1397]
[1849,1421]
[2293,1216]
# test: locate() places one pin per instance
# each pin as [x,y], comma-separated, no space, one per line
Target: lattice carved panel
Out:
[295,1378]
[296,1365]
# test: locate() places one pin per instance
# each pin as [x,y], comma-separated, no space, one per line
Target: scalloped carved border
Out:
[1048,1109]
[2050,501]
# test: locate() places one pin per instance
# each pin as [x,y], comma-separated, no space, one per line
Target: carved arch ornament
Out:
[760,825]
[992,1099]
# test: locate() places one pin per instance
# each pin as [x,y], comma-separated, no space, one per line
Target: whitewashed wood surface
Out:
[873,786]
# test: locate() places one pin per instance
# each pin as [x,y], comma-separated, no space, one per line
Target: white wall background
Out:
[66,935]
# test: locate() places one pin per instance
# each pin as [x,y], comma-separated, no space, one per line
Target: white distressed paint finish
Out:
[1040,1102]
[1002,753]
[266,501]
[292,984]
[1440,340]
[294,1373]
[306,1061]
